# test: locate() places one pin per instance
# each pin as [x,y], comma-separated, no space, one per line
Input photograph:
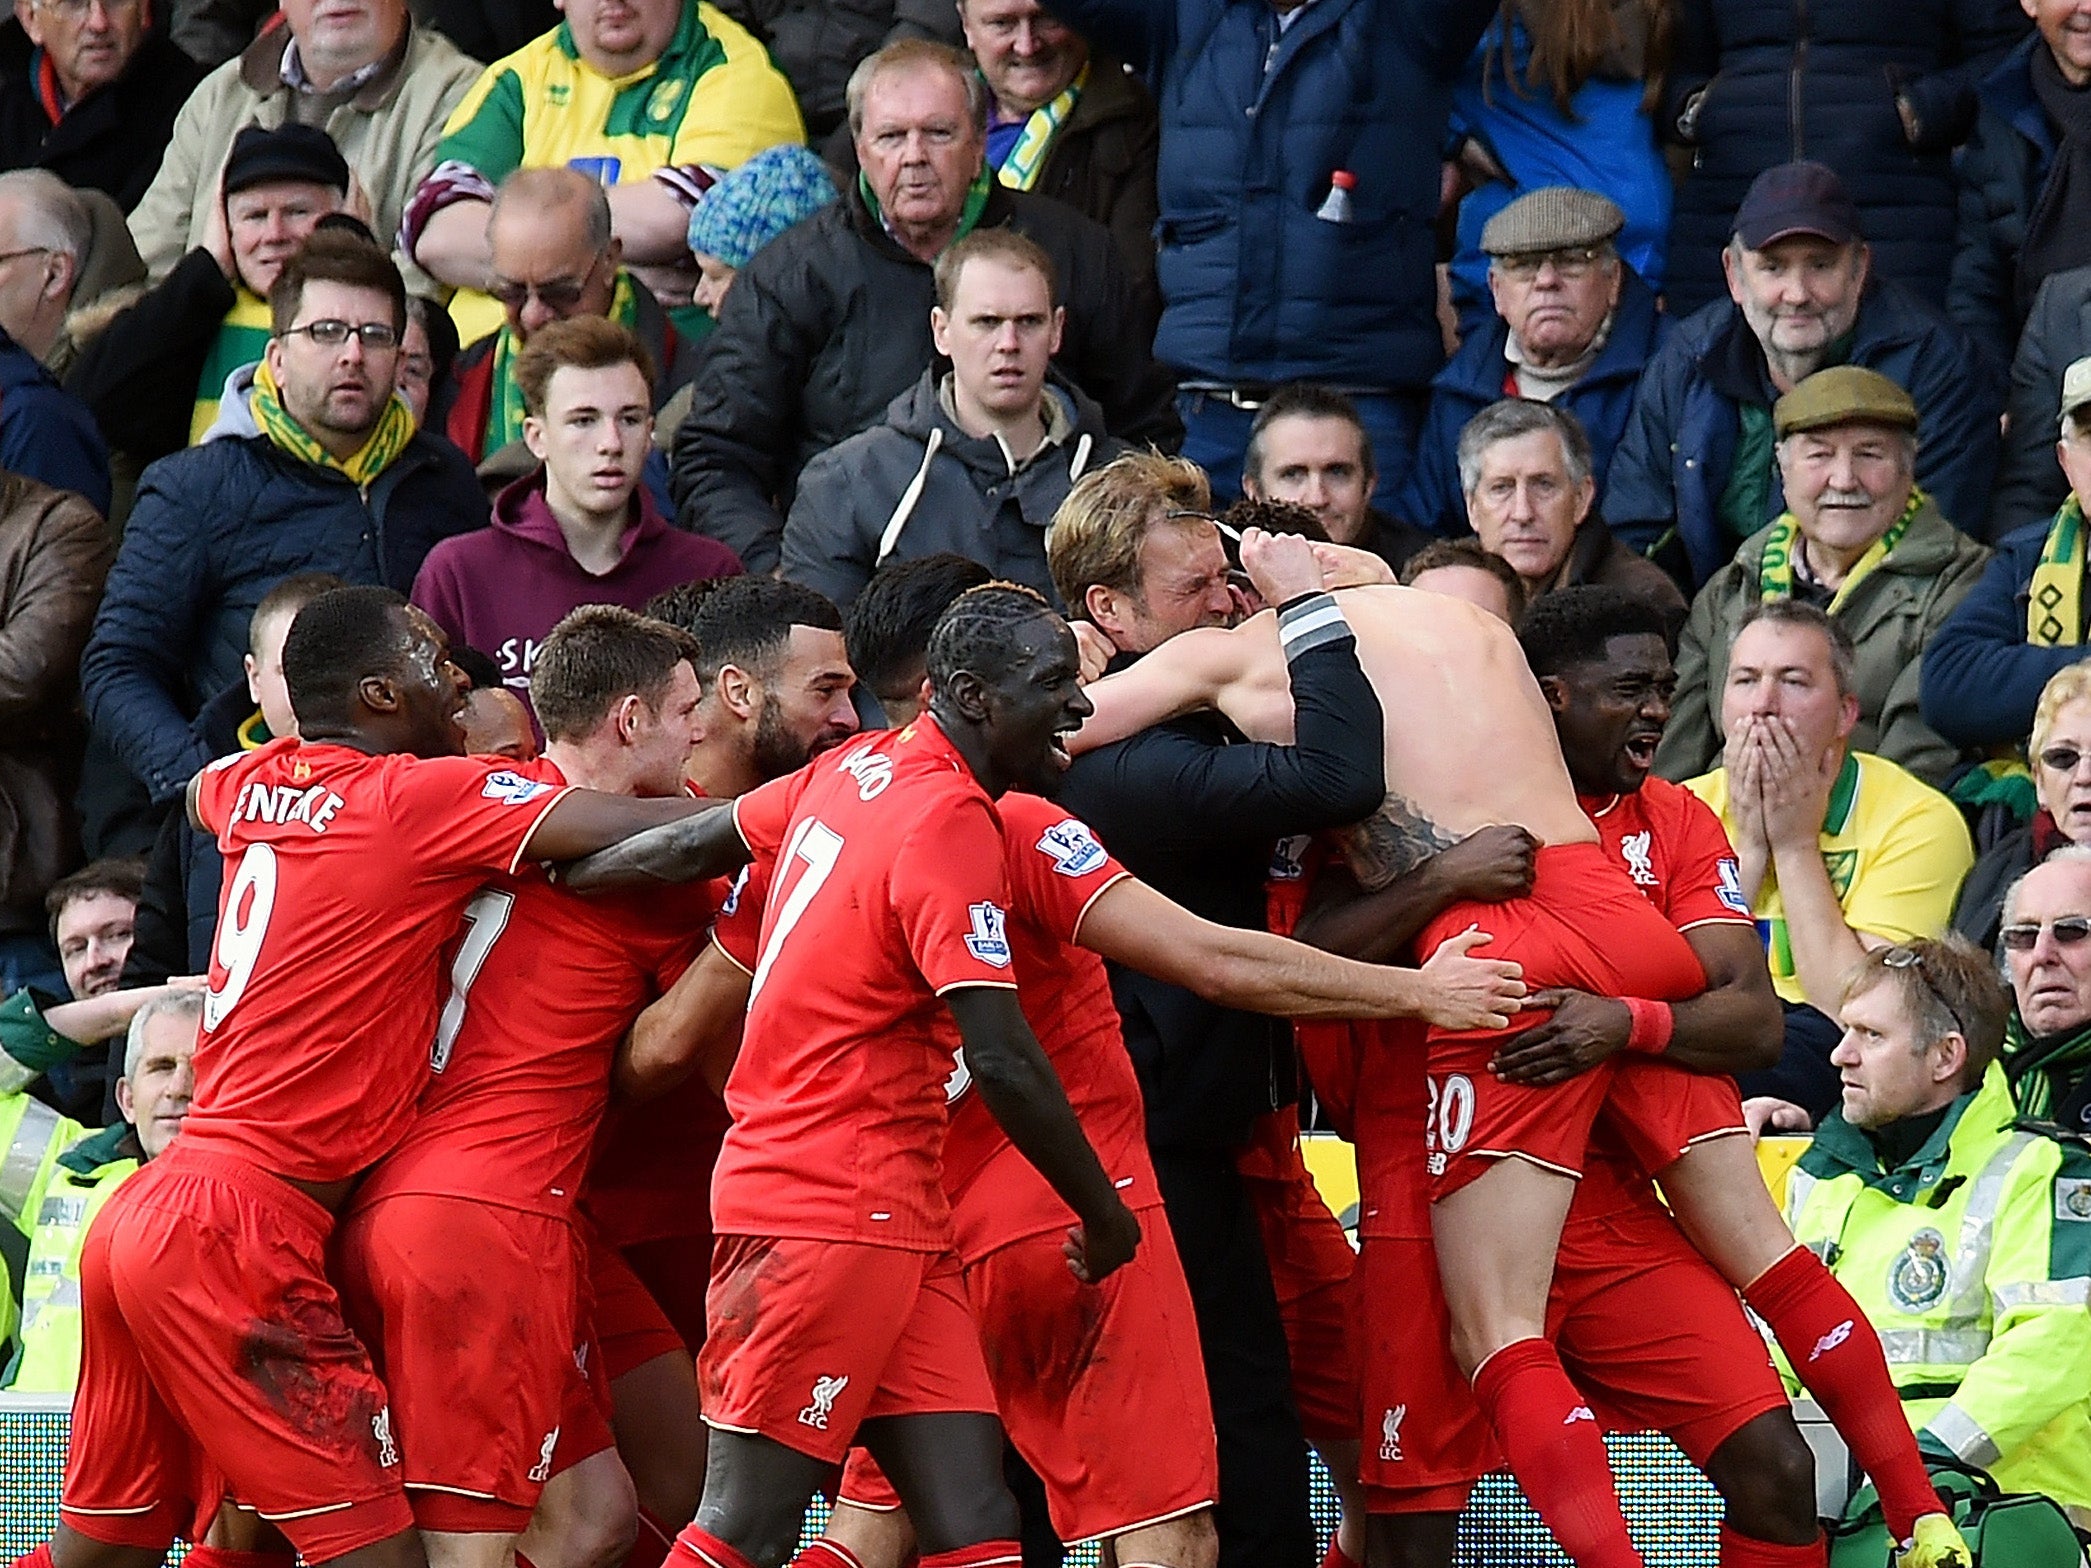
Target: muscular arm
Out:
[1020,1090]
[1379,926]
[1733,1026]
[632,843]
[695,1026]
[1235,671]
[1131,924]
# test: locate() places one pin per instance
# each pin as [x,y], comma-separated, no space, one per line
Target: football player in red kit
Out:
[208,1323]
[471,1219]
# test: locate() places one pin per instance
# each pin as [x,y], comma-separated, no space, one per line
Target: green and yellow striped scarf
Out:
[1019,171]
[1775,573]
[395,428]
[2055,599]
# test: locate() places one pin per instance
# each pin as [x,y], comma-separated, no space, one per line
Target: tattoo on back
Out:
[1392,842]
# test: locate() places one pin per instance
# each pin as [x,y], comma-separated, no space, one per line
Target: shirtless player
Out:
[1476,747]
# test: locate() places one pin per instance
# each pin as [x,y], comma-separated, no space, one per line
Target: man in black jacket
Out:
[830,322]
[1195,810]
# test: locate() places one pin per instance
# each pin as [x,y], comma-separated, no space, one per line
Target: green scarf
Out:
[505,411]
[2055,607]
[395,428]
[2042,1075]
[968,217]
[1775,573]
[1019,171]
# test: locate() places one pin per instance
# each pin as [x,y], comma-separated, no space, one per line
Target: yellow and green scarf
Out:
[395,428]
[2055,602]
[504,415]
[968,217]
[1019,171]
[1775,573]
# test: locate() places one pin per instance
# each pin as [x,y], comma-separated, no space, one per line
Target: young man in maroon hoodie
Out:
[581,529]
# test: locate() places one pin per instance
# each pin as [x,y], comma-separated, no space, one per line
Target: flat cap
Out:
[2076,389]
[1559,217]
[1844,395]
[263,156]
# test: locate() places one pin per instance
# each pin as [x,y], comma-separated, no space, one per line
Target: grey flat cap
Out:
[1560,217]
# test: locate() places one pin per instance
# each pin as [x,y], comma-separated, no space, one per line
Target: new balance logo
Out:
[381,1431]
[1830,1341]
[1580,1413]
[825,1392]
[542,1470]
[1390,1434]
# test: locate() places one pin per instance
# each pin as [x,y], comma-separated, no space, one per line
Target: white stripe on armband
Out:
[1311,623]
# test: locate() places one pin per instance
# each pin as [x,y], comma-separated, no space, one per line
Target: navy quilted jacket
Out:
[215,528]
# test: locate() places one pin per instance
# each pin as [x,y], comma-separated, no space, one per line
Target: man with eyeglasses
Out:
[2047,959]
[1573,327]
[1694,472]
[2024,620]
[1962,1231]
[330,475]
[89,90]
[555,256]
[1838,851]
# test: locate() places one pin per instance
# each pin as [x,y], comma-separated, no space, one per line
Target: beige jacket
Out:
[387,129]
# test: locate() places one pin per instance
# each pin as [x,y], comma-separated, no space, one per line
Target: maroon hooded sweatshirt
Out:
[502,588]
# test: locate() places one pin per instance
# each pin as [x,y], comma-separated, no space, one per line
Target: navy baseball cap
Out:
[1796,198]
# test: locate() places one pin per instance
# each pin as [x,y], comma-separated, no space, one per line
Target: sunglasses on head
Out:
[2063,759]
[2069,930]
[1910,958]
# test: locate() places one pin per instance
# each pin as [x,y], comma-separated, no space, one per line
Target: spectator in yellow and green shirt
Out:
[654,101]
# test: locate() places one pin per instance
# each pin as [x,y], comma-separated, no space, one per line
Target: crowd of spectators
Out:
[1775,317]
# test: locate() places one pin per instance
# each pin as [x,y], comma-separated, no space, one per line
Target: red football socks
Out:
[981,1554]
[1556,1451]
[40,1558]
[650,1546]
[696,1548]
[1742,1551]
[1836,1354]
[1336,1557]
[225,1557]
[825,1553]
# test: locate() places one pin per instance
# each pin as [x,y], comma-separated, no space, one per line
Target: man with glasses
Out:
[2047,1050]
[1694,473]
[1962,1231]
[555,256]
[46,434]
[333,478]
[2023,622]
[1838,851]
[89,90]
[1574,325]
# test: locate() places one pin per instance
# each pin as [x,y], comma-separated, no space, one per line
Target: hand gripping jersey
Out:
[345,876]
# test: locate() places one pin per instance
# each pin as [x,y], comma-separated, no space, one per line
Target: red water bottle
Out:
[1336,206]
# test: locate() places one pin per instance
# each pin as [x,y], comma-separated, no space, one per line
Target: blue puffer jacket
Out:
[1255,287]
[2003,169]
[1602,400]
[1674,459]
[215,528]
[1786,79]
[46,433]
[1981,679]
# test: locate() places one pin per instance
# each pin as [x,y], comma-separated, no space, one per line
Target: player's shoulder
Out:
[1036,831]
[1676,807]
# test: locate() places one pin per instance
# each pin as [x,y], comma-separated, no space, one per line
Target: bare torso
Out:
[1469,739]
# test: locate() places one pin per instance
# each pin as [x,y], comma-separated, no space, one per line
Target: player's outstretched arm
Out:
[1733,1026]
[693,1027]
[1487,866]
[1023,1093]
[634,843]
[1195,669]
[1132,924]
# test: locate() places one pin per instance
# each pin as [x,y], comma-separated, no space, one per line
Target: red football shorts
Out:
[630,1326]
[1313,1266]
[1583,925]
[471,1312]
[584,1410]
[1660,1110]
[207,1323]
[1652,1334]
[809,1339]
[1426,1441]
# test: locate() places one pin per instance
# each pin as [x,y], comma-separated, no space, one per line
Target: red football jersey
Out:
[1675,850]
[650,1176]
[888,890]
[1057,870]
[345,876]
[543,986]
